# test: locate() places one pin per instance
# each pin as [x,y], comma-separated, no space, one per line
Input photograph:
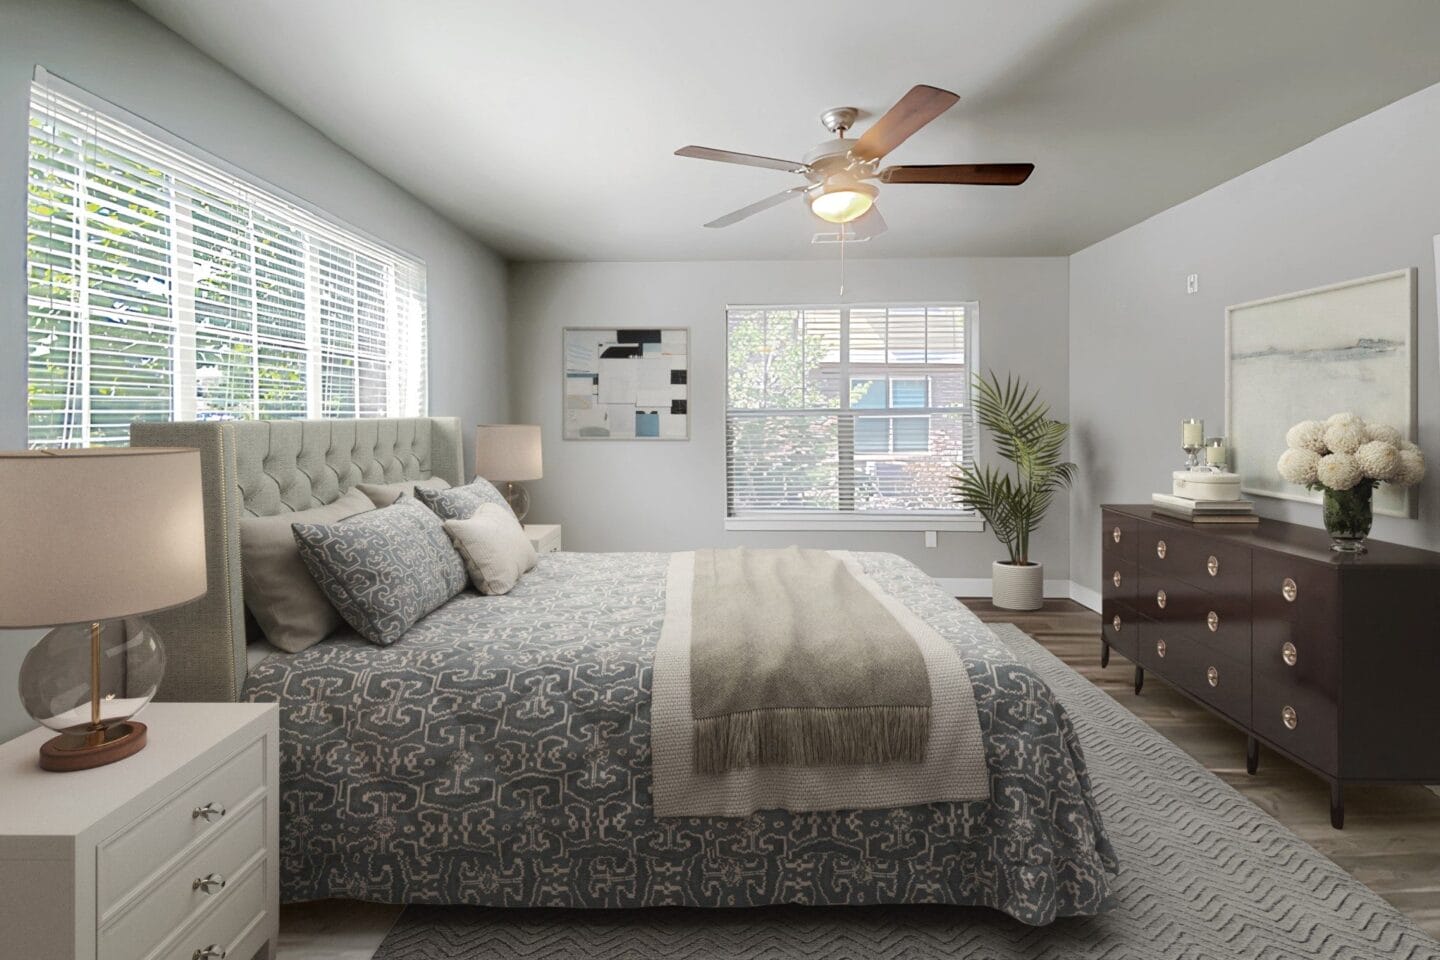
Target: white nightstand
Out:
[544,537]
[167,855]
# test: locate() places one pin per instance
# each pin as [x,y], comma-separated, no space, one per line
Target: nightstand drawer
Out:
[235,926]
[544,537]
[179,896]
[130,856]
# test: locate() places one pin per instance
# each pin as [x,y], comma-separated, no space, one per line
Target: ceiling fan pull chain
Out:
[842,259]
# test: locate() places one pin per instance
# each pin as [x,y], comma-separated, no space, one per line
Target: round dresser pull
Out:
[1116,622]
[1160,599]
[1160,649]
[1115,578]
[212,883]
[1288,654]
[1115,534]
[1288,717]
[1212,620]
[1212,566]
[1160,549]
[1212,675]
[209,813]
[1288,590]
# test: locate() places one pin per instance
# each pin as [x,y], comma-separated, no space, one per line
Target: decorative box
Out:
[1204,485]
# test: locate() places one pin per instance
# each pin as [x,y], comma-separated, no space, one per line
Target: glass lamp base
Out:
[95,748]
[518,498]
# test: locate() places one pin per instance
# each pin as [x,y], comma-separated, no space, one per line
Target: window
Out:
[841,417]
[162,287]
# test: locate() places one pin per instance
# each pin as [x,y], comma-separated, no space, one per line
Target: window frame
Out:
[960,520]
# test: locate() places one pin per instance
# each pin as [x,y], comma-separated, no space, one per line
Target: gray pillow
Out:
[281,596]
[458,503]
[385,569]
[384,494]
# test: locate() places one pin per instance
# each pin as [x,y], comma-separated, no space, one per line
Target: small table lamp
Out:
[509,452]
[91,539]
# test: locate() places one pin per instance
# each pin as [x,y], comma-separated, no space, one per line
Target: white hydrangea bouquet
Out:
[1347,458]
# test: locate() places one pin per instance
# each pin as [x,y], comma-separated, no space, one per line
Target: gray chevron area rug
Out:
[1204,874]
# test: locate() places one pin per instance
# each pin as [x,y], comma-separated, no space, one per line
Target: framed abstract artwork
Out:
[1304,356]
[627,383]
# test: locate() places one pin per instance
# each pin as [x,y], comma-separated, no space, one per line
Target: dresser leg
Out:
[1139,678]
[1337,805]
[1104,653]
[1252,755]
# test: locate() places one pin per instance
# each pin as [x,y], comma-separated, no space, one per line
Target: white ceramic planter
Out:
[1017,588]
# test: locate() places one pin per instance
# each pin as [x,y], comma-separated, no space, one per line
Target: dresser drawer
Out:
[1161,646]
[1119,580]
[133,854]
[235,926]
[1218,621]
[1120,627]
[1117,538]
[1220,681]
[177,897]
[1297,718]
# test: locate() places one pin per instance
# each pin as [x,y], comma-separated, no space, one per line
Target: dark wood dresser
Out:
[1332,660]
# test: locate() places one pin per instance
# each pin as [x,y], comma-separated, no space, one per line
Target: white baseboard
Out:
[1054,590]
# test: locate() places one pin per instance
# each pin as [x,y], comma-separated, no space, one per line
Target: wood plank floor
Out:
[1391,840]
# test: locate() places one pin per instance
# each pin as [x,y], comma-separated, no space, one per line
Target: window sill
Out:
[849,524]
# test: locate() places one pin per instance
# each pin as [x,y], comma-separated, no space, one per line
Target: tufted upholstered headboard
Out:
[264,468]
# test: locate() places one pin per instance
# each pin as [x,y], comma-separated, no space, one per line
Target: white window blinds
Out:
[857,411]
[162,287]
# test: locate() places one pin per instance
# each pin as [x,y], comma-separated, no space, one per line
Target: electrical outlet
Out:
[1192,283]
[932,539]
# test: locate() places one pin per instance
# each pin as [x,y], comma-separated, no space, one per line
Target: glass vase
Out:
[1348,516]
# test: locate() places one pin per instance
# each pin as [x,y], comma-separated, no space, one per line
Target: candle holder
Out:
[1216,454]
[1192,441]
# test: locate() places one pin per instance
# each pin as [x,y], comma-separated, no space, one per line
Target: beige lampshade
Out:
[98,534]
[507,451]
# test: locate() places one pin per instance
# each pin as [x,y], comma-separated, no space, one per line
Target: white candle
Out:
[1192,433]
[1215,453]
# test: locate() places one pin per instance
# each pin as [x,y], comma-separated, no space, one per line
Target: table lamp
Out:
[509,453]
[89,540]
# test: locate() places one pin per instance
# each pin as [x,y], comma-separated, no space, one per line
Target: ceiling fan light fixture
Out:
[842,198]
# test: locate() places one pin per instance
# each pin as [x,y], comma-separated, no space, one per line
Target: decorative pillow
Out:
[285,602]
[385,569]
[494,546]
[457,503]
[384,494]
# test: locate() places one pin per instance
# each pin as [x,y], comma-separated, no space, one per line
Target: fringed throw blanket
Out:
[789,679]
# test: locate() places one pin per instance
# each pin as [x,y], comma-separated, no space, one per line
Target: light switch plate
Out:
[1192,283]
[932,539]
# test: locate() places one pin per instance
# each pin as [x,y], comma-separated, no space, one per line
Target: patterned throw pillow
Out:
[458,503]
[383,570]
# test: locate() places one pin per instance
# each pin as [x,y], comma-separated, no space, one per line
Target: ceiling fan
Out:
[837,171]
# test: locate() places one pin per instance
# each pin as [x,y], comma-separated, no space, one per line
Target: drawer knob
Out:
[1115,578]
[212,952]
[1288,590]
[1288,717]
[1213,676]
[1116,622]
[1288,654]
[1160,599]
[211,883]
[1212,565]
[1212,620]
[1160,649]
[1160,549]
[210,812]
[1115,534]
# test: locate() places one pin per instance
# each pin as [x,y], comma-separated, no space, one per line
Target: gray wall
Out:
[1361,200]
[637,495]
[118,53]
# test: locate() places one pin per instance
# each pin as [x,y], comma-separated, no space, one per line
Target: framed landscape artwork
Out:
[627,383]
[1304,356]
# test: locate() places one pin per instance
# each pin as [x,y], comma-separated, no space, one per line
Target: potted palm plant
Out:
[1015,504]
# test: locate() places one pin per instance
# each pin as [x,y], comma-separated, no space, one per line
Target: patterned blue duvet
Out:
[498,754]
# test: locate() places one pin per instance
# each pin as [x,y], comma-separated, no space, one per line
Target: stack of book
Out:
[1204,511]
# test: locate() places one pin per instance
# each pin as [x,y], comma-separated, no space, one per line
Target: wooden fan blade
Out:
[757,206]
[748,159]
[987,174]
[918,107]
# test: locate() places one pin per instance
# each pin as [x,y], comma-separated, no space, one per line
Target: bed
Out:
[499,753]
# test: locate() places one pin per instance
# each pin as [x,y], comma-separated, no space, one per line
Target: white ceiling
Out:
[547,127]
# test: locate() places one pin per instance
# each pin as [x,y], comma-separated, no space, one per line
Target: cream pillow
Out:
[279,590]
[384,494]
[494,547]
